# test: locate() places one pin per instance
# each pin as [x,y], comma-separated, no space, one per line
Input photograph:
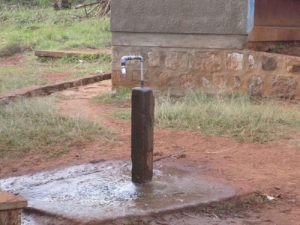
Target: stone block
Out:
[197,61]
[269,63]
[293,66]
[206,82]
[188,81]
[219,81]
[235,61]
[255,86]
[237,82]
[213,63]
[177,60]
[251,62]
[11,208]
[284,87]
[204,61]
[154,59]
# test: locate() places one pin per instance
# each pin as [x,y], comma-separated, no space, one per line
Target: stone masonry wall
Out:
[180,69]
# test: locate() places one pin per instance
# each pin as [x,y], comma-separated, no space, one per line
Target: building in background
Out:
[276,20]
[200,45]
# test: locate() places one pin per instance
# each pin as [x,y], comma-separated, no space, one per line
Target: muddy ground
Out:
[271,169]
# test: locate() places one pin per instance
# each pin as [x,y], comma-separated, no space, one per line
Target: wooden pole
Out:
[142,124]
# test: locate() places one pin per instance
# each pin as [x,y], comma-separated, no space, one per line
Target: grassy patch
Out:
[234,116]
[122,114]
[102,57]
[45,28]
[36,72]
[13,48]
[17,77]
[117,96]
[35,126]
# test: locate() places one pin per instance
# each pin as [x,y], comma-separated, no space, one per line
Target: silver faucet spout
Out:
[126,58]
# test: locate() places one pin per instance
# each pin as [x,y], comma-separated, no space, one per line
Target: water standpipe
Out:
[142,126]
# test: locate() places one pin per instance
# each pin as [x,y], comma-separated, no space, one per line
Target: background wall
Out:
[177,16]
[189,23]
[197,44]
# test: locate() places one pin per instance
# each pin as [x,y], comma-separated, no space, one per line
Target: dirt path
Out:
[272,168]
[269,168]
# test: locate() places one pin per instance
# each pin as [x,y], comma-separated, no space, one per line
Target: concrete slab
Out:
[103,191]
[11,202]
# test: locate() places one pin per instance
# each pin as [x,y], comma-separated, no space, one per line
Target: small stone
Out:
[255,87]
[235,61]
[154,59]
[293,68]
[284,87]
[251,61]
[205,82]
[269,63]
[237,82]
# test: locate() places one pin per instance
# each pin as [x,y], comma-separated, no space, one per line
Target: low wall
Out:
[29,92]
[180,69]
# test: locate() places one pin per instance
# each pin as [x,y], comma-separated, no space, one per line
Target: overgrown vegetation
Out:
[231,115]
[24,29]
[34,125]
[44,28]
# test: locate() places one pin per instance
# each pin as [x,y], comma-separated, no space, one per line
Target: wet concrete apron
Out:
[103,191]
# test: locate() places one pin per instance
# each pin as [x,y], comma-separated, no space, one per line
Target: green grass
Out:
[13,78]
[36,126]
[25,29]
[33,71]
[45,28]
[233,116]
[119,95]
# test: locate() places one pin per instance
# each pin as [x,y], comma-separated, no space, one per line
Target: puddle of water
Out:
[104,190]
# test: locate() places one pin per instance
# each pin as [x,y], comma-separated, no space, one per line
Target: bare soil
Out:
[15,60]
[291,48]
[56,76]
[272,169]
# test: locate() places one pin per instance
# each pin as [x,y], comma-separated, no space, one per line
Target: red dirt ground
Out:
[56,76]
[14,60]
[271,168]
